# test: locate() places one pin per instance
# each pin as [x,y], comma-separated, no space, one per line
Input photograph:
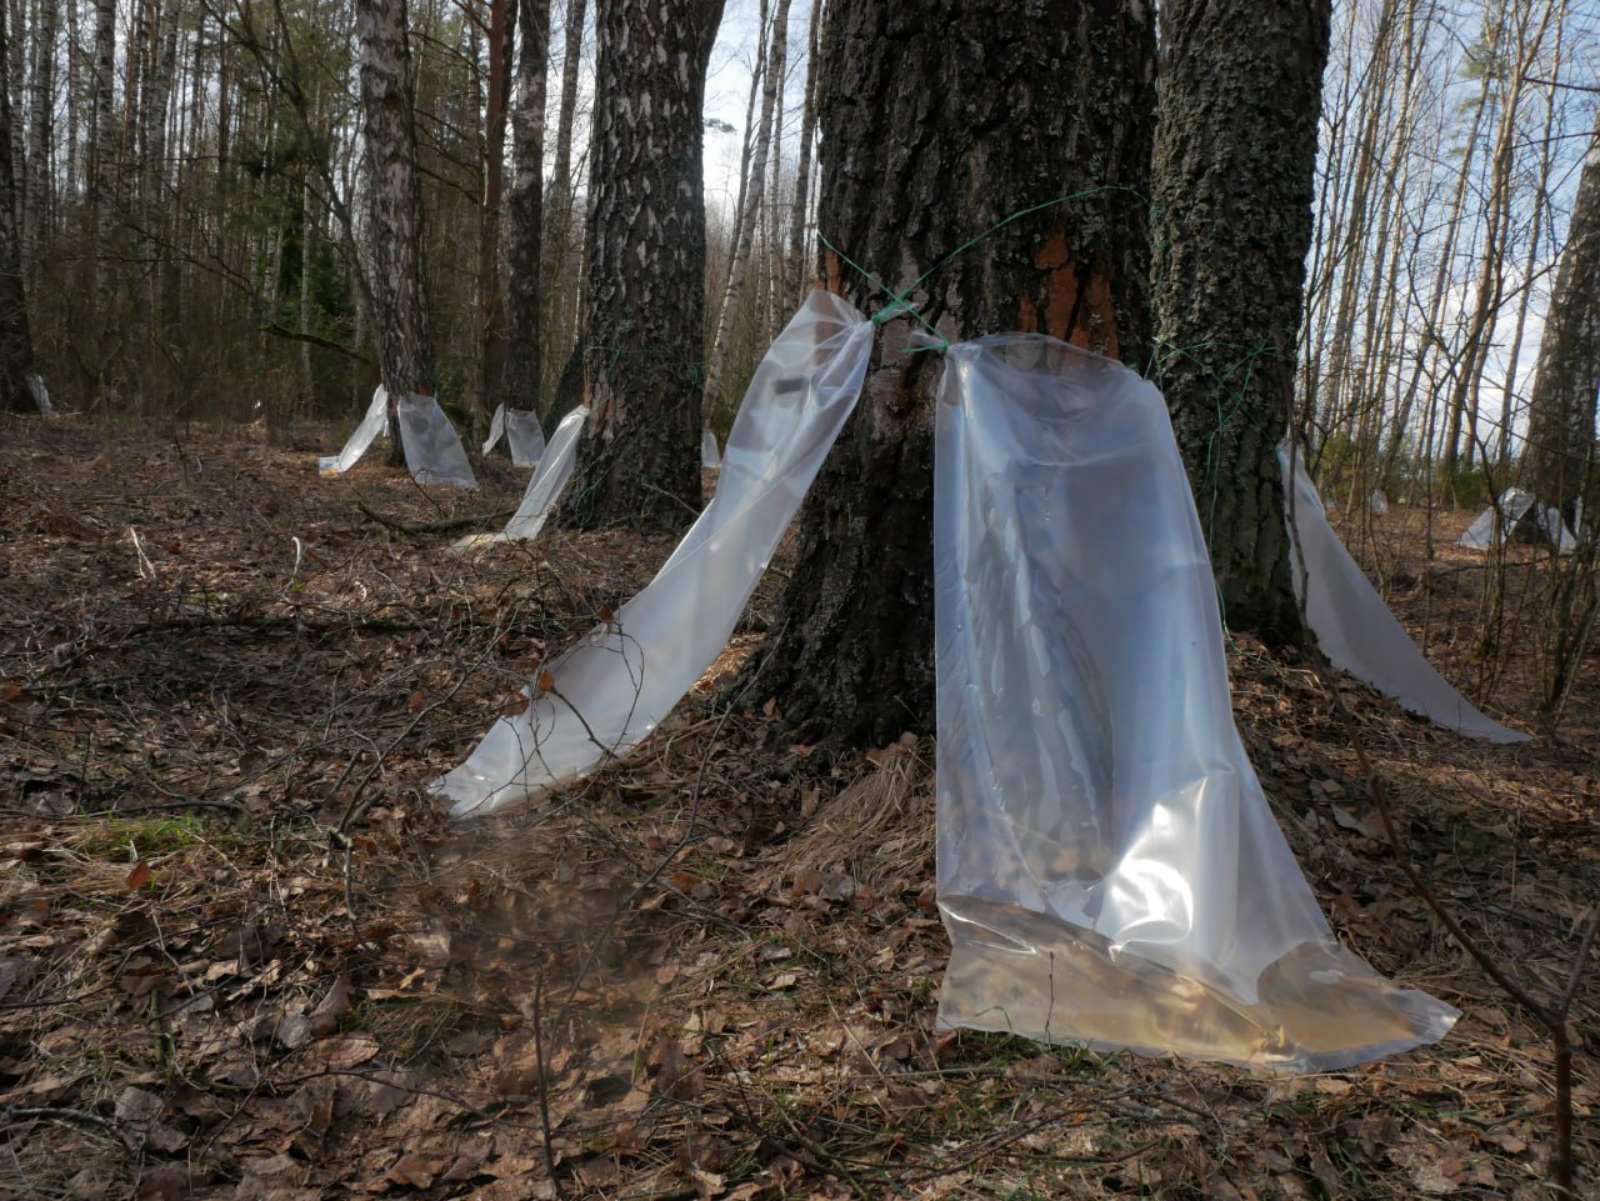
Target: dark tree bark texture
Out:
[639,462]
[16,342]
[939,120]
[1561,431]
[1236,149]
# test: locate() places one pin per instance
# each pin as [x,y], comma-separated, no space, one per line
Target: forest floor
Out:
[707,972]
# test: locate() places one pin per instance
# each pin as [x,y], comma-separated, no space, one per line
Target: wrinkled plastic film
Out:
[1357,631]
[373,425]
[41,394]
[709,455]
[616,686]
[1486,529]
[1109,871]
[433,449]
[1378,503]
[522,432]
[544,489]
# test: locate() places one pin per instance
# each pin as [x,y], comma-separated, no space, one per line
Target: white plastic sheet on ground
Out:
[373,425]
[615,687]
[709,457]
[433,449]
[1109,871]
[522,432]
[1514,504]
[1356,630]
[544,489]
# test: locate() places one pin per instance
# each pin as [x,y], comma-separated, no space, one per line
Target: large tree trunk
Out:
[639,463]
[1561,431]
[996,122]
[740,263]
[394,200]
[16,343]
[42,105]
[1236,150]
[520,382]
[491,311]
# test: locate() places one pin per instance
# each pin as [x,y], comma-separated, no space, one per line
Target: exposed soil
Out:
[707,972]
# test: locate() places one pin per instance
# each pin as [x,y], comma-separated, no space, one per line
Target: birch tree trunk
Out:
[639,462]
[16,342]
[520,384]
[1235,159]
[394,198]
[752,205]
[798,282]
[994,122]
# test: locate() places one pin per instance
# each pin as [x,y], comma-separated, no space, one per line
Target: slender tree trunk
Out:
[557,244]
[994,123]
[491,311]
[41,134]
[102,165]
[18,51]
[16,342]
[639,463]
[525,281]
[74,86]
[394,197]
[740,262]
[1235,159]
[799,281]
[1561,432]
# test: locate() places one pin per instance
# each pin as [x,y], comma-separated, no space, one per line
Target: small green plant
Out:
[128,839]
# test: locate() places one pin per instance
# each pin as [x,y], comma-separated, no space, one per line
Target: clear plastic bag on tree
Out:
[616,686]
[1109,870]
[41,394]
[1378,503]
[1356,630]
[433,449]
[373,426]
[522,432]
[1486,528]
[544,489]
[709,456]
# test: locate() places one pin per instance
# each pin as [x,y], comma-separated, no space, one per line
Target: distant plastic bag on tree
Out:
[1378,503]
[1109,871]
[373,426]
[544,489]
[613,688]
[1357,631]
[709,457]
[41,394]
[522,432]
[1486,529]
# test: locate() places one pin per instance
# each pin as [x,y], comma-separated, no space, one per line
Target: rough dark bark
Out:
[42,111]
[491,309]
[639,463]
[1236,149]
[1561,431]
[1015,102]
[519,382]
[16,342]
[394,199]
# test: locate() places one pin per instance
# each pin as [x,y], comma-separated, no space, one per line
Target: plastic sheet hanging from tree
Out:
[522,432]
[374,425]
[1357,631]
[41,394]
[613,688]
[1109,871]
[544,489]
[432,447]
[709,456]
[1487,528]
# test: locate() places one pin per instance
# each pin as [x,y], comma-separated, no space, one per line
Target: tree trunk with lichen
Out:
[639,461]
[997,122]
[1561,431]
[525,281]
[1236,148]
[394,198]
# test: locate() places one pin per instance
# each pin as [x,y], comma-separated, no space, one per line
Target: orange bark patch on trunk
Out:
[1054,258]
[1097,325]
[835,280]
